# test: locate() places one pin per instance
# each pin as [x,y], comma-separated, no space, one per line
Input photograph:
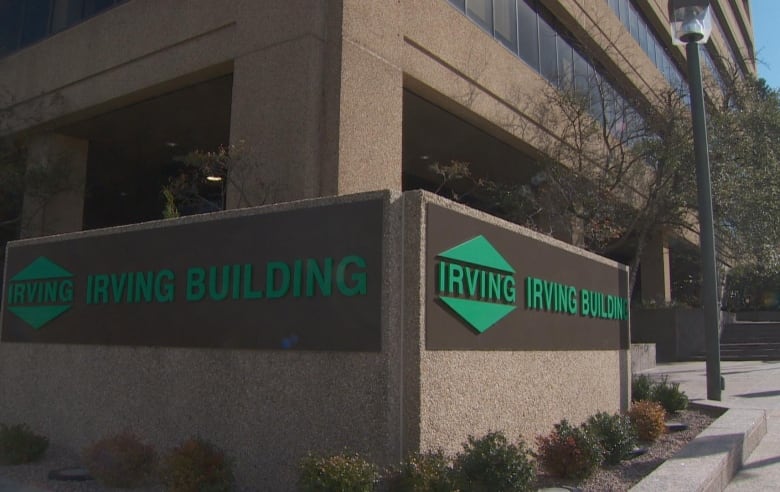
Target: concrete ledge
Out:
[709,462]
[642,357]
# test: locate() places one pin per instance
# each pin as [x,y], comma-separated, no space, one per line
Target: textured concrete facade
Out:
[267,408]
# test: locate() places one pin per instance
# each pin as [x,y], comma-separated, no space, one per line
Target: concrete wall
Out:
[450,394]
[267,408]
[678,333]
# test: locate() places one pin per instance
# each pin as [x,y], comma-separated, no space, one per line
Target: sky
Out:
[766,33]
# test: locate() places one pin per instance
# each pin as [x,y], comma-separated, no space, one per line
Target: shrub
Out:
[641,387]
[121,461]
[647,418]
[345,472]
[421,472]
[569,452]
[669,396]
[196,465]
[492,464]
[615,434]
[19,444]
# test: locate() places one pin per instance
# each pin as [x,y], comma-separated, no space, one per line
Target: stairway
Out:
[745,340]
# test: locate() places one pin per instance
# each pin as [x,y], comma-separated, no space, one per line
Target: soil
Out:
[607,479]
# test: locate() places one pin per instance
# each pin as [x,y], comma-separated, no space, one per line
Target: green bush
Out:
[121,461]
[615,434]
[19,444]
[345,472]
[648,418]
[197,466]
[641,387]
[569,452]
[491,464]
[669,396]
[421,472]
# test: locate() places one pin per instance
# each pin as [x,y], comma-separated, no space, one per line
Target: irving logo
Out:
[39,293]
[476,282]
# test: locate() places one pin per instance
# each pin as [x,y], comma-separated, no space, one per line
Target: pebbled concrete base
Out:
[710,461]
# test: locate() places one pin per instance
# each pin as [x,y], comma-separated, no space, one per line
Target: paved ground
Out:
[748,385]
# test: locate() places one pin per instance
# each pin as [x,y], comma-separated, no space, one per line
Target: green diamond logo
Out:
[476,283]
[40,292]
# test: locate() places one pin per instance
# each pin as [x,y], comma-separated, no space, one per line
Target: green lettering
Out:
[66,291]
[144,284]
[164,289]
[101,289]
[359,277]
[323,279]
[456,278]
[274,289]
[196,288]
[249,293]
[471,281]
[219,294]
[509,289]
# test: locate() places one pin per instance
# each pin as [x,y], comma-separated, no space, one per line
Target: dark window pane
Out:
[548,51]
[481,12]
[10,22]
[624,12]
[505,23]
[66,13]
[92,7]
[633,25]
[582,74]
[36,21]
[651,46]
[642,35]
[565,64]
[528,34]
[460,4]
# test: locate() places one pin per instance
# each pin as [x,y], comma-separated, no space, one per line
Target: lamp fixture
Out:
[691,21]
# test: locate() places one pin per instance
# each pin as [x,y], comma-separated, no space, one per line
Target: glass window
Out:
[548,53]
[582,74]
[460,4]
[651,46]
[642,35]
[10,22]
[528,34]
[35,25]
[505,23]
[633,22]
[565,63]
[624,12]
[92,7]
[66,13]
[481,12]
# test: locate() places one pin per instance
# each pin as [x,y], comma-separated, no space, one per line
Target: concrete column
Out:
[318,112]
[54,194]
[656,281]
[366,136]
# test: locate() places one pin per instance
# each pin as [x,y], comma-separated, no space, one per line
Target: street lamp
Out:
[691,24]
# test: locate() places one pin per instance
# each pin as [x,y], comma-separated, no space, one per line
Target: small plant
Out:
[19,444]
[669,396]
[569,452]
[421,472]
[641,387]
[492,464]
[121,461]
[648,418]
[615,434]
[345,472]
[197,466]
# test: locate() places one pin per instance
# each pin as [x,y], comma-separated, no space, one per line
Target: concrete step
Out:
[710,461]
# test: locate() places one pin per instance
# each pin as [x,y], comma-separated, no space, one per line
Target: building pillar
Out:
[656,279]
[54,190]
[320,113]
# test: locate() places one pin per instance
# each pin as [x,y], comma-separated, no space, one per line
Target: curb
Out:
[711,459]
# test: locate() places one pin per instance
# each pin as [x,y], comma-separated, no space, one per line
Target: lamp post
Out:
[691,24]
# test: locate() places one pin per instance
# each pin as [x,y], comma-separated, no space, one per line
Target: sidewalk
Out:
[751,385]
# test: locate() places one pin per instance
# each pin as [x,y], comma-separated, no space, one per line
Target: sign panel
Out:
[488,288]
[297,279]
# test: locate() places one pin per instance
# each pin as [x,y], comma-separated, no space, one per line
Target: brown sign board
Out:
[491,288]
[306,279]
